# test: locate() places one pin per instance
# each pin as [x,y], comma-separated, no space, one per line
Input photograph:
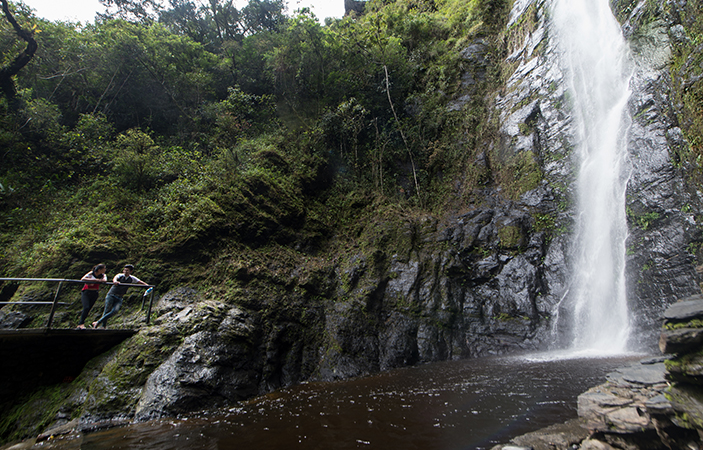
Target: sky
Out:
[84,10]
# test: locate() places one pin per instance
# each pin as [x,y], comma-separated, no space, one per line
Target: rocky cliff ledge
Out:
[654,404]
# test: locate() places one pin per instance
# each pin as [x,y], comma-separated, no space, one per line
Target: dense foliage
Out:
[687,71]
[152,134]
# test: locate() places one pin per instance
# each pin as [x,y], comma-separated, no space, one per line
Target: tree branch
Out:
[7,84]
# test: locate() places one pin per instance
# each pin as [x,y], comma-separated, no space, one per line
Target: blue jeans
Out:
[113,303]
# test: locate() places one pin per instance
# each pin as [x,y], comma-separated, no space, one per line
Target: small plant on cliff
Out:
[503,317]
[644,220]
[696,323]
[518,174]
[511,237]
[544,222]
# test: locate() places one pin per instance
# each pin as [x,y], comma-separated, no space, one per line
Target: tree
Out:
[219,21]
[7,83]
[263,15]
[137,75]
[136,160]
[241,115]
[186,18]
[144,11]
[298,65]
[227,20]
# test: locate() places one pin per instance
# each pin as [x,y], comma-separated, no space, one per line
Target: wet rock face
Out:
[661,206]
[201,354]
[467,289]
[208,370]
[495,285]
[534,119]
[13,320]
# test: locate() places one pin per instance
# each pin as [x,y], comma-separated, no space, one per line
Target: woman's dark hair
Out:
[98,267]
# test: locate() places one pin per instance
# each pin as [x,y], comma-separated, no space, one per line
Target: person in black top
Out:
[113,299]
[89,294]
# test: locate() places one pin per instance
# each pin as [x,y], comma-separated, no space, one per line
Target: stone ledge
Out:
[687,309]
[680,340]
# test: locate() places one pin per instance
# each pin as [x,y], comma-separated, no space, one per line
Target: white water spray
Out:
[595,58]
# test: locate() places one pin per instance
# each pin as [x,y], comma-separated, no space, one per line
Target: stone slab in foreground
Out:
[622,405]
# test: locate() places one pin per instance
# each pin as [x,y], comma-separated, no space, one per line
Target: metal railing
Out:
[58,290]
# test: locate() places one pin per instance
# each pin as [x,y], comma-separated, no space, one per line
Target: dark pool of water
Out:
[469,404]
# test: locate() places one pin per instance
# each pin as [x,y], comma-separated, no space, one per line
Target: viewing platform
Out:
[43,357]
[33,357]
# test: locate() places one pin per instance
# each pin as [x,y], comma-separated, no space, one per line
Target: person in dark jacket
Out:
[114,297]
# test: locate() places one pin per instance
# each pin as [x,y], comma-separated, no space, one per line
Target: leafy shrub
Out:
[241,115]
[135,160]
[43,118]
[88,143]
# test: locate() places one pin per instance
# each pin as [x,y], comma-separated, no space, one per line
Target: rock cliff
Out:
[484,279]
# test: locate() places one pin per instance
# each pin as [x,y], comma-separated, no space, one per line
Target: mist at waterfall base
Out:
[467,404]
[593,316]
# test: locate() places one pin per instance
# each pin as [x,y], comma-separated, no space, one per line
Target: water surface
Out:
[469,404]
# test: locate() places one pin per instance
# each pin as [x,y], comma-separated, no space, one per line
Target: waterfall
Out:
[595,59]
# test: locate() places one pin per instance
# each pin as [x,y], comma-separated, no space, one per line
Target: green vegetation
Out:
[696,323]
[544,223]
[642,220]
[511,237]
[686,71]
[519,174]
[172,133]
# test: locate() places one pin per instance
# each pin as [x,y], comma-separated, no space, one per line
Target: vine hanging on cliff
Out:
[402,135]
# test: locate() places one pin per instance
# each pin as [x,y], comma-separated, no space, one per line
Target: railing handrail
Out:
[33,303]
[66,280]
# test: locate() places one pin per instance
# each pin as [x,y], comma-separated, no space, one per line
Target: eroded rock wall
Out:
[662,206]
[484,280]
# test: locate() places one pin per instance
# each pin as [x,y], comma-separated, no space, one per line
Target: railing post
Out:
[53,306]
[148,311]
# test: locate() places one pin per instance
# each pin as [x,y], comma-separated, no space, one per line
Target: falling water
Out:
[595,58]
